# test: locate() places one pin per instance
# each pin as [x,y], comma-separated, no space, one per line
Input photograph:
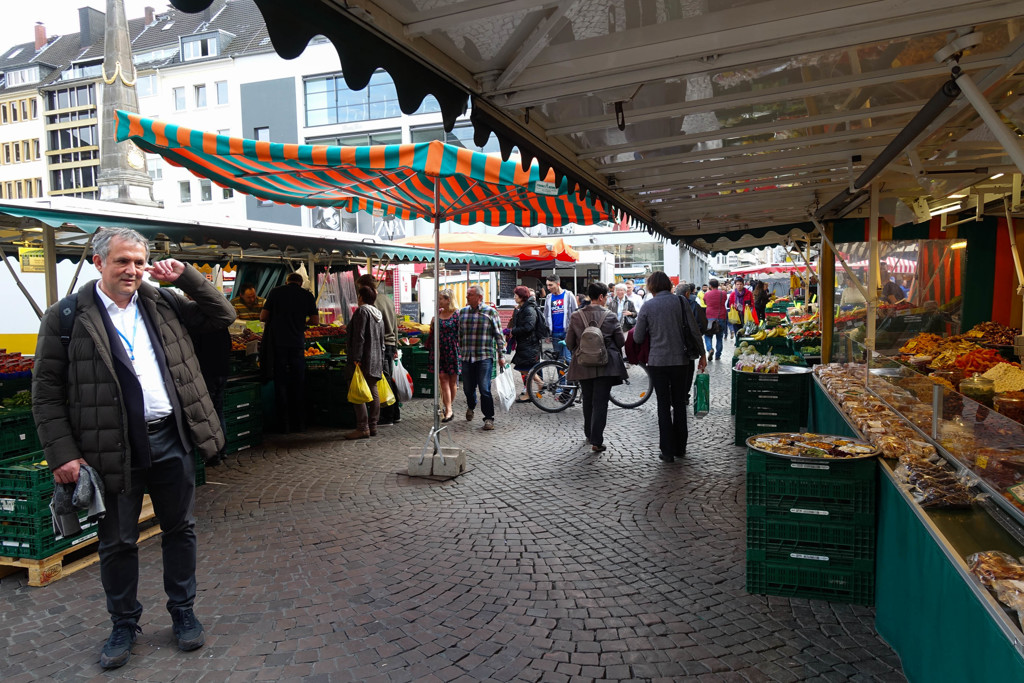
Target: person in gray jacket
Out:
[125,395]
[667,320]
[596,382]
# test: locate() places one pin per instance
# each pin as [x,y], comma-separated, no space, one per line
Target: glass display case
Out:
[985,447]
[921,292]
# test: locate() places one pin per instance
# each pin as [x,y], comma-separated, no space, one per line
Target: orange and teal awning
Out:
[428,180]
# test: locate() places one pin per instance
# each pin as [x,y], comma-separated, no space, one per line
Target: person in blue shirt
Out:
[558,308]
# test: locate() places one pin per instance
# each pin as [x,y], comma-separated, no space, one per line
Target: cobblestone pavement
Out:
[544,562]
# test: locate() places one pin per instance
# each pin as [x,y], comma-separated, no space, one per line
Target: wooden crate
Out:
[49,569]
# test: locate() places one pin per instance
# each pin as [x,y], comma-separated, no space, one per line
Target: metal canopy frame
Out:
[704,119]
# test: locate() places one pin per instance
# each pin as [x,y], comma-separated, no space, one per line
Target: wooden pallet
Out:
[49,569]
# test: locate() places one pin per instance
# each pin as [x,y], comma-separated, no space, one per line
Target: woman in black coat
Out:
[523,329]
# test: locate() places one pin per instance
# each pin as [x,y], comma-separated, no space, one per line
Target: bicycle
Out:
[550,390]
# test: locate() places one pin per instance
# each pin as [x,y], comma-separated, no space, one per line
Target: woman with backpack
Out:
[524,330]
[595,338]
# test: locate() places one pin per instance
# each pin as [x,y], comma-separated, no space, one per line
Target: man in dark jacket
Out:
[287,311]
[125,395]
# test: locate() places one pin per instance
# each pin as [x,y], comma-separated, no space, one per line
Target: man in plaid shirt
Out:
[480,342]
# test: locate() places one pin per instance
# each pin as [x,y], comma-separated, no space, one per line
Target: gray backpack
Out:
[592,350]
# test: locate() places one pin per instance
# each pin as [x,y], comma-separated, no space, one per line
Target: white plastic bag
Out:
[403,381]
[503,388]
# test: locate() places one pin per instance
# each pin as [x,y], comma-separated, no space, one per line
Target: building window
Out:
[200,96]
[3,112]
[199,47]
[222,92]
[14,112]
[224,131]
[379,137]
[262,134]
[179,99]
[22,76]
[17,153]
[155,167]
[35,149]
[185,189]
[205,191]
[39,187]
[329,100]
[226,193]
[145,86]
[460,136]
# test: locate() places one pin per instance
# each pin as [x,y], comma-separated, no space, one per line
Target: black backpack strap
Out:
[67,308]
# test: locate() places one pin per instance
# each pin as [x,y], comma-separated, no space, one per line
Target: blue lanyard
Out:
[135,328]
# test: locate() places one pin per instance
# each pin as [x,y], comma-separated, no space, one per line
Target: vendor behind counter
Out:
[247,305]
[286,312]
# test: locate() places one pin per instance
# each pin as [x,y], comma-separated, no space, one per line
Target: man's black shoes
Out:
[118,648]
[187,630]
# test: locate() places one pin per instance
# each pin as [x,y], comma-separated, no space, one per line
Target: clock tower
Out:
[123,177]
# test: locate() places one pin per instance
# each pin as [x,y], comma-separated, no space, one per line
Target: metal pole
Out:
[81,262]
[1007,139]
[849,273]
[437,299]
[50,261]
[873,276]
[21,286]
[1013,246]
[807,260]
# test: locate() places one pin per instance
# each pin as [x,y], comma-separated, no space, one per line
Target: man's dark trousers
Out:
[290,387]
[170,480]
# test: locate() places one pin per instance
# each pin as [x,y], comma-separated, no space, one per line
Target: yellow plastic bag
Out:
[734,316]
[359,390]
[384,393]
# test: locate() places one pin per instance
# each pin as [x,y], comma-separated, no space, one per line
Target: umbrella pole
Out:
[437,299]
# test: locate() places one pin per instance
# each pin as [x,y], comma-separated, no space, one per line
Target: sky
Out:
[60,16]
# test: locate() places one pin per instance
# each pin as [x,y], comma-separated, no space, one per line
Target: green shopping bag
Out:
[702,395]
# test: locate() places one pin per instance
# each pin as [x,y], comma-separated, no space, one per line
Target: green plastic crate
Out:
[19,475]
[11,385]
[833,581]
[14,504]
[780,537]
[241,396]
[865,469]
[33,537]
[17,432]
[748,424]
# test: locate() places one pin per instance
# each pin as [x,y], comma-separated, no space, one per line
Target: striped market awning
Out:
[426,180]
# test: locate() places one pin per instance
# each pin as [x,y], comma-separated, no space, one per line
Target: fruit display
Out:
[757,363]
[240,342]
[1007,376]
[317,331]
[811,350]
[760,335]
[22,399]
[314,350]
[978,360]
[14,365]
[992,333]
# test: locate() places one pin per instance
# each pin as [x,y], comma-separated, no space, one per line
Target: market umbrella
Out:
[430,180]
[533,253]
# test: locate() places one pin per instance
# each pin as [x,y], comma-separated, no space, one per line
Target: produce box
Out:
[33,537]
[790,388]
[241,396]
[832,580]
[9,385]
[17,432]
[769,345]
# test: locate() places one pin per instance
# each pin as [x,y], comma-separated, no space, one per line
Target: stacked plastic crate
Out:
[26,487]
[811,528]
[243,416]
[770,402]
[417,363]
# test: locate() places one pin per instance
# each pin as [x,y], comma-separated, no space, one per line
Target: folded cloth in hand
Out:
[69,499]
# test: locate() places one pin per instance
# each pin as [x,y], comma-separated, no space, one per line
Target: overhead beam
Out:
[537,41]
[757,129]
[684,48]
[468,11]
[753,97]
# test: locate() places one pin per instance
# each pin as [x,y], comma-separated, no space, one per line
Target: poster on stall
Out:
[32,260]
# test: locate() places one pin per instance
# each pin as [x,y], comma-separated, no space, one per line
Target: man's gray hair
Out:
[620,287]
[479,290]
[101,241]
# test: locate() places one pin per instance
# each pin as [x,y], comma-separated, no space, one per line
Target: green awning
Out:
[216,243]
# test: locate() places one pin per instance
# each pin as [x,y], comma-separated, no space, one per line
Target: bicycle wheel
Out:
[635,389]
[549,389]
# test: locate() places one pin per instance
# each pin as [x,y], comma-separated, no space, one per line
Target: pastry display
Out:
[812,446]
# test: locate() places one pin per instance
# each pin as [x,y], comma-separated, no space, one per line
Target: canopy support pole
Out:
[1013,246]
[849,273]
[437,300]
[826,295]
[874,276]
[21,285]
[81,262]
[1007,139]
[50,261]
